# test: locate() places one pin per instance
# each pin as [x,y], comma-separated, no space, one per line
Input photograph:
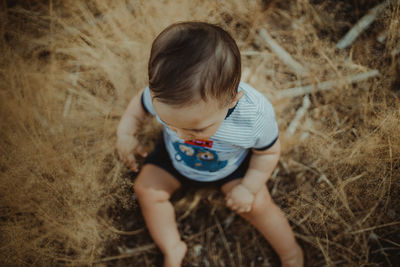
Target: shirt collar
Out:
[231,110]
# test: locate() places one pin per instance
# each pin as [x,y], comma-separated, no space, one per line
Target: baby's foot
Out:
[295,259]
[174,257]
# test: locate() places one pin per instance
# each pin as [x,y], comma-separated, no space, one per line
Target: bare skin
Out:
[270,221]
[154,187]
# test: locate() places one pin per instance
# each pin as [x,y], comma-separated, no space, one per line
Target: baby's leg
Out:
[273,225]
[154,187]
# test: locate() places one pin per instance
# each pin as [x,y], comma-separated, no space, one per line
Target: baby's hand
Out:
[240,199]
[127,146]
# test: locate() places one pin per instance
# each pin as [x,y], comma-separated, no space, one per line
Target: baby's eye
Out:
[197,131]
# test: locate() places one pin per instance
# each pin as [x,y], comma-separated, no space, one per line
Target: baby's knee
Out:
[148,193]
[262,203]
[139,188]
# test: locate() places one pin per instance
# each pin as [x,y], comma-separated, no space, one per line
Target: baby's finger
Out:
[122,156]
[123,159]
[130,158]
[245,209]
[240,208]
[142,152]
[234,207]
[132,162]
[135,167]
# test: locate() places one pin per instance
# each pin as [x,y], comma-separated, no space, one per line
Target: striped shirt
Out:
[250,124]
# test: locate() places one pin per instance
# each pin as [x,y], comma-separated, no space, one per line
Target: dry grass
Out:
[68,70]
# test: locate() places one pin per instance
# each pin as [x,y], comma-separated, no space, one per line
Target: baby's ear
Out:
[236,99]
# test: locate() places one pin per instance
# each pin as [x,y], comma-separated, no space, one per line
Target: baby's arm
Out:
[132,117]
[127,144]
[262,163]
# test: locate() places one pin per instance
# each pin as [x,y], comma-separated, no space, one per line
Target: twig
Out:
[299,114]
[324,252]
[193,204]
[225,241]
[228,221]
[67,105]
[305,217]
[132,253]
[239,253]
[391,242]
[312,241]
[275,181]
[351,179]
[339,193]
[361,25]
[374,227]
[302,90]
[282,54]
[382,250]
[51,45]
[200,233]
[115,230]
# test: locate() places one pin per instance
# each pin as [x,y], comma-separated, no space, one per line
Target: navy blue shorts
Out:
[160,158]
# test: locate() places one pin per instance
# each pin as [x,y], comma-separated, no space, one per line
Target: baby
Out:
[217,131]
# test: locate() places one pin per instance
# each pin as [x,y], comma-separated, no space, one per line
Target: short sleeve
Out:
[147,104]
[266,130]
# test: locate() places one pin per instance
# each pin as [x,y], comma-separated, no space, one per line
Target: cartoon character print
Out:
[198,158]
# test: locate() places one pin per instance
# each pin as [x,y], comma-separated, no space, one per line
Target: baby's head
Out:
[194,73]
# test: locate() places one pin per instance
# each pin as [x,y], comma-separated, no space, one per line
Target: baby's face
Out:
[198,121]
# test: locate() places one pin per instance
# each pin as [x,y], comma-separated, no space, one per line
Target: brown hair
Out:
[189,60]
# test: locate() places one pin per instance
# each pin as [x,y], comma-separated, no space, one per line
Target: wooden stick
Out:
[374,227]
[361,25]
[131,253]
[67,105]
[282,54]
[302,90]
[299,114]
[225,242]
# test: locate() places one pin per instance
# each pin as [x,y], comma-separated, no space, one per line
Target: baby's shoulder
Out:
[253,105]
